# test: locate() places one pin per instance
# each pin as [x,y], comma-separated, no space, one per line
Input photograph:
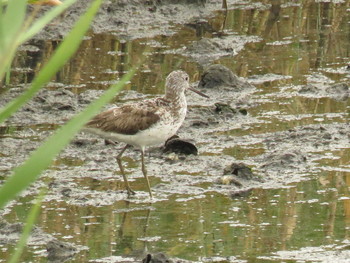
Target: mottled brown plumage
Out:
[129,119]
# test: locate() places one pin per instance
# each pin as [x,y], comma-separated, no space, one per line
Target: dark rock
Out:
[147,259]
[218,75]
[180,146]
[59,251]
[241,193]
[199,123]
[243,111]
[240,170]
[226,108]
[66,192]
[157,258]
[234,172]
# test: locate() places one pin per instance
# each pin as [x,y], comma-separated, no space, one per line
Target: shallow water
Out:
[299,43]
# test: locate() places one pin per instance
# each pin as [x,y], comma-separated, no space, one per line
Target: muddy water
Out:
[301,210]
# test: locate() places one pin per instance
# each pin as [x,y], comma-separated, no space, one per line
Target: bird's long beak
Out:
[198,92]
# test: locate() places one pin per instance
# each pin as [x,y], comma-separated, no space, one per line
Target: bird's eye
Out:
[186,78]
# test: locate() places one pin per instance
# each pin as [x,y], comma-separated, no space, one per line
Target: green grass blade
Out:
[14,32]
[32,216]
[41,22]
[27,173]
[13,20]
[1,29]
[11,26]
[58,59]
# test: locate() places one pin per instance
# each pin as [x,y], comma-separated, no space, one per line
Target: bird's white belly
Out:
[156,134]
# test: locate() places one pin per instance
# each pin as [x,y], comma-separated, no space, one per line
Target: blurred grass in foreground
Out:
[14,31]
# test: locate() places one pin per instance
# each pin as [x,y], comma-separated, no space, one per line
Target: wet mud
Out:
[209,157]
[150,18]
[55,250]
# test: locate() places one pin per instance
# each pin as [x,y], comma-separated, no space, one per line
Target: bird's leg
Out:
[119,161]
[144,171]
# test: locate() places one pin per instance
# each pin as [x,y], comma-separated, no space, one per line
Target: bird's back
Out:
[145,123]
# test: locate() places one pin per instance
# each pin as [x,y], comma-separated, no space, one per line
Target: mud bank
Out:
[274,132]
[149,18]
[286,156]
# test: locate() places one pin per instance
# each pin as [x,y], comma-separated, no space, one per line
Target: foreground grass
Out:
[14,31]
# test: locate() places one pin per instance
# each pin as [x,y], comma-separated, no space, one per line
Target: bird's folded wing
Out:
[127,119]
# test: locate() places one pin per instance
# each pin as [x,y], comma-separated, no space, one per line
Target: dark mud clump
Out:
[338,91]
[157,258]
[162,258]
[47,106]
[283,160]
[180,146]
[57,100]
[241,193]
[217,76]
[240,170]
[59,251]
[150,18]
[238,174]
[221,85]
[222,108]
[207,50]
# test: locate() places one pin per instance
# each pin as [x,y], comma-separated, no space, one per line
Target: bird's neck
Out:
[178,100]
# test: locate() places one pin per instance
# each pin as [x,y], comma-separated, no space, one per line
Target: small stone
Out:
[229,180]
[240,170]
[84,142]
[157,258]
[180,146]
[66,192]
[172,157]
